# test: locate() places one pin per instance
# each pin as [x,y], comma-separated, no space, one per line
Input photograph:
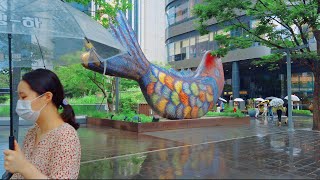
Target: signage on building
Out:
[243,92]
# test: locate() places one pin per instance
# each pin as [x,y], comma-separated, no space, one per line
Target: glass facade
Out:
[180,12]
[189,48]
[302,86]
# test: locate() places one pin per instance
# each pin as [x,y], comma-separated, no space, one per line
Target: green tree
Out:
[279,24]
[78,81]
[106,9]
[4,79]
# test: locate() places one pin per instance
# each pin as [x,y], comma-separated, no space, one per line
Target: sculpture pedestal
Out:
[168,125]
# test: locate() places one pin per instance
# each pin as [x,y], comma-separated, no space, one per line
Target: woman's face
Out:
[26,93]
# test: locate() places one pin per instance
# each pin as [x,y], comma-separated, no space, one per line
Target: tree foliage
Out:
[275,24]
[106,10]
[78,81]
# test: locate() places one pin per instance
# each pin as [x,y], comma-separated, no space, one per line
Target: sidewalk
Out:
[251,151]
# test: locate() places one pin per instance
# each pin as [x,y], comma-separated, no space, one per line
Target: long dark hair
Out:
[42,81]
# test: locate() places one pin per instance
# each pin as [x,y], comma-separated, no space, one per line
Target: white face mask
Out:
[24,110]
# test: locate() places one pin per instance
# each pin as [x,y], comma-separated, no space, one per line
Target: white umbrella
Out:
[238,99]
[276,102]
[270,98]
[221,99]
[258,99]
[293,98]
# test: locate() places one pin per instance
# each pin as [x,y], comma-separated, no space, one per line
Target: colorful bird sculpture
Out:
[172,94]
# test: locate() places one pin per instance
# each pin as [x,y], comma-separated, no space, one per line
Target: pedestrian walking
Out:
[279,110]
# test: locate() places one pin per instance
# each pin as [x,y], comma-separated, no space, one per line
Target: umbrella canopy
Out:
[293,98]
[270,98]
[50,31]
[221,99]
[276,102]
[259,99]
[238,99]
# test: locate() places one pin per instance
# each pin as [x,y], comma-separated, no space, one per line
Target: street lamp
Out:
[288,55]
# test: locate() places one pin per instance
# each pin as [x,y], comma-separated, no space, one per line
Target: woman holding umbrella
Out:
[51,148]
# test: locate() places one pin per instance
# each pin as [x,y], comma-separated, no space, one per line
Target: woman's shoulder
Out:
[66,133]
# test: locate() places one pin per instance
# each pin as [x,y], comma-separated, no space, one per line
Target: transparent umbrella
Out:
[258,99]
[293,98]
[39,33]
[51,32]
[276,102]
[270,98]
[238,99]
[221,99]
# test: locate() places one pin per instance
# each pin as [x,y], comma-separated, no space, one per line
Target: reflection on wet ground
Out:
[258,150]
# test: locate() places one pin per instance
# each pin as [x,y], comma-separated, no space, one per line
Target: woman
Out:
[270,112]
[287,112]
[279,113]
[51,148]
[265,108]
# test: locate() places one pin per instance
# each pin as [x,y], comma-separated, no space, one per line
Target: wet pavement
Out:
[257,150]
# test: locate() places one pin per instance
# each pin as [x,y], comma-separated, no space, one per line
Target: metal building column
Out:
[235,80]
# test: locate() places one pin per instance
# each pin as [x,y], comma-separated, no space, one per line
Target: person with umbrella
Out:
[265,108]
[270,112]
[279,110]
[222,103]
[51,148]
[55,33]
[277,104]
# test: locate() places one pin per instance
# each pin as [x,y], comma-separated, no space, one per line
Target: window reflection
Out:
[202,45]
[171,52]
[193,47]
[302,85]
[180,12]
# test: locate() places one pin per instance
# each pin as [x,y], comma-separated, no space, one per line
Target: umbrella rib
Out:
[44,65]
[74,19]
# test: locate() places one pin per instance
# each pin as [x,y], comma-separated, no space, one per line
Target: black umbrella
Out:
[47,32]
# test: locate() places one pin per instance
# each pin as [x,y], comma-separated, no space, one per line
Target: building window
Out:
[177,51]
[211,43]
[171,52]
[193,47]
[302,86]
[185,49]
[222,32]
[181,12]
[171,16]
[202,45]
[253,24]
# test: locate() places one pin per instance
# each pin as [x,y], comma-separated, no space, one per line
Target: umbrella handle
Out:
[7,175]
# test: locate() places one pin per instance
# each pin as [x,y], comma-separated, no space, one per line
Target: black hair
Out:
[42,81]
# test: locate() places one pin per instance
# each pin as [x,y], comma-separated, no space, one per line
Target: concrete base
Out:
[168,125]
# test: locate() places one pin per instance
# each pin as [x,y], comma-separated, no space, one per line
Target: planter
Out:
[252,112]
[168,125]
